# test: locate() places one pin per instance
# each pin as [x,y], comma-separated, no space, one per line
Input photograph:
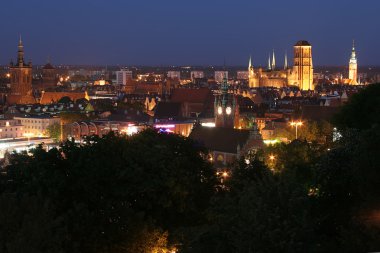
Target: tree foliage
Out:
[112,194]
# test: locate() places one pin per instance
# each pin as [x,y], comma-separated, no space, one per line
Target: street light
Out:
[296,124]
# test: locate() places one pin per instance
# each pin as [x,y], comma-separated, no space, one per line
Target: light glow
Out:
[208,124]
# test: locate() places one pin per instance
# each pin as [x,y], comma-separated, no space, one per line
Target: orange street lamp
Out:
[296,124]
[271,158]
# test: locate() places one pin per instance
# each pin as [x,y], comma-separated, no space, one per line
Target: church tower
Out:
[353,67]
[303,65]
[49,76]
[253,82]
[21,79]
[226,108]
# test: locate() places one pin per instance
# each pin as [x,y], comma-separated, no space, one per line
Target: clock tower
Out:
[226,108]
[353,67]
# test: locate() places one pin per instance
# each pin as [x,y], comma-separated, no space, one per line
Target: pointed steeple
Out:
[353,52]
[250,63]
[273,61]
[286,61]
[269,63]
[20,53]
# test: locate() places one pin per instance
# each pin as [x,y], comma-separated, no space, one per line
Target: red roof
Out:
[191,95]
[53,97]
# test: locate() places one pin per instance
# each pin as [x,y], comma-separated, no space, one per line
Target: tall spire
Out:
[353,53]
[273,61]
[250,63]
[269,63]
[20,54]
[286,61]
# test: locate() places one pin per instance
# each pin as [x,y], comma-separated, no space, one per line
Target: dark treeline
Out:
[156,192]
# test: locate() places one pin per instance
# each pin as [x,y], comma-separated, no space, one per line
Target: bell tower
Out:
[303,65]
[21,79]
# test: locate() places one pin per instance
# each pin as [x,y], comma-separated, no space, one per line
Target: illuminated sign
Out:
[164,126]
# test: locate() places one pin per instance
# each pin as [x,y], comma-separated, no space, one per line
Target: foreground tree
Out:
[112,194]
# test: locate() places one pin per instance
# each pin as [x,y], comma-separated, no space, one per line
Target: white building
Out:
[11,128]
[36,126]
[220,75]
[174,75]
[123,76]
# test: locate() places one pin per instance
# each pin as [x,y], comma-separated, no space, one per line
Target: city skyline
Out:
[93,33]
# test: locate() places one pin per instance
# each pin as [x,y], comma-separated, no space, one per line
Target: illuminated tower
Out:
[226,108]
[353,67]
[303,65]
[21,79]
[253,82]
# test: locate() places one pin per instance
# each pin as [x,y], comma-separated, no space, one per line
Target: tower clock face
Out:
[220,110]
[228,110]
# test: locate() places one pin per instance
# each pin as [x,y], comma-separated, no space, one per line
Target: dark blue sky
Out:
[197,32]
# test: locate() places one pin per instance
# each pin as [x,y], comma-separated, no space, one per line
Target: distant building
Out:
[174,75]
[196,75]
[21,80]
[243,75]
[123,76]
[353,67]
[220,75]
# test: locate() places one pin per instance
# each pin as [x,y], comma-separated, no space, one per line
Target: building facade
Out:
[123,76]
[174,75]
[36,126]
[10,128]
[220,75]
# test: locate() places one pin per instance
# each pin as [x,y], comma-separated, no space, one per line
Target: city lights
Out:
[296,124]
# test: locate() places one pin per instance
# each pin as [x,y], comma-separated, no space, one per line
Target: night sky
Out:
[195,32]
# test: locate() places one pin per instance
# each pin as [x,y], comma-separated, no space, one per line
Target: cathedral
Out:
[21,80]
[301,74]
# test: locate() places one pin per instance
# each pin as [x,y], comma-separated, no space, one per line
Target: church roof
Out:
[303,43]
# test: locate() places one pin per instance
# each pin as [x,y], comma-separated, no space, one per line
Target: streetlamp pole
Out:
[296,124]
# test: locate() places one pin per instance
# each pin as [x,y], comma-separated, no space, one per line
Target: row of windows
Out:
[32,121]
[11,129]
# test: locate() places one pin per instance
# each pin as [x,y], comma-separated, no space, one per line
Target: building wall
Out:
[34,126]
[10,129]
